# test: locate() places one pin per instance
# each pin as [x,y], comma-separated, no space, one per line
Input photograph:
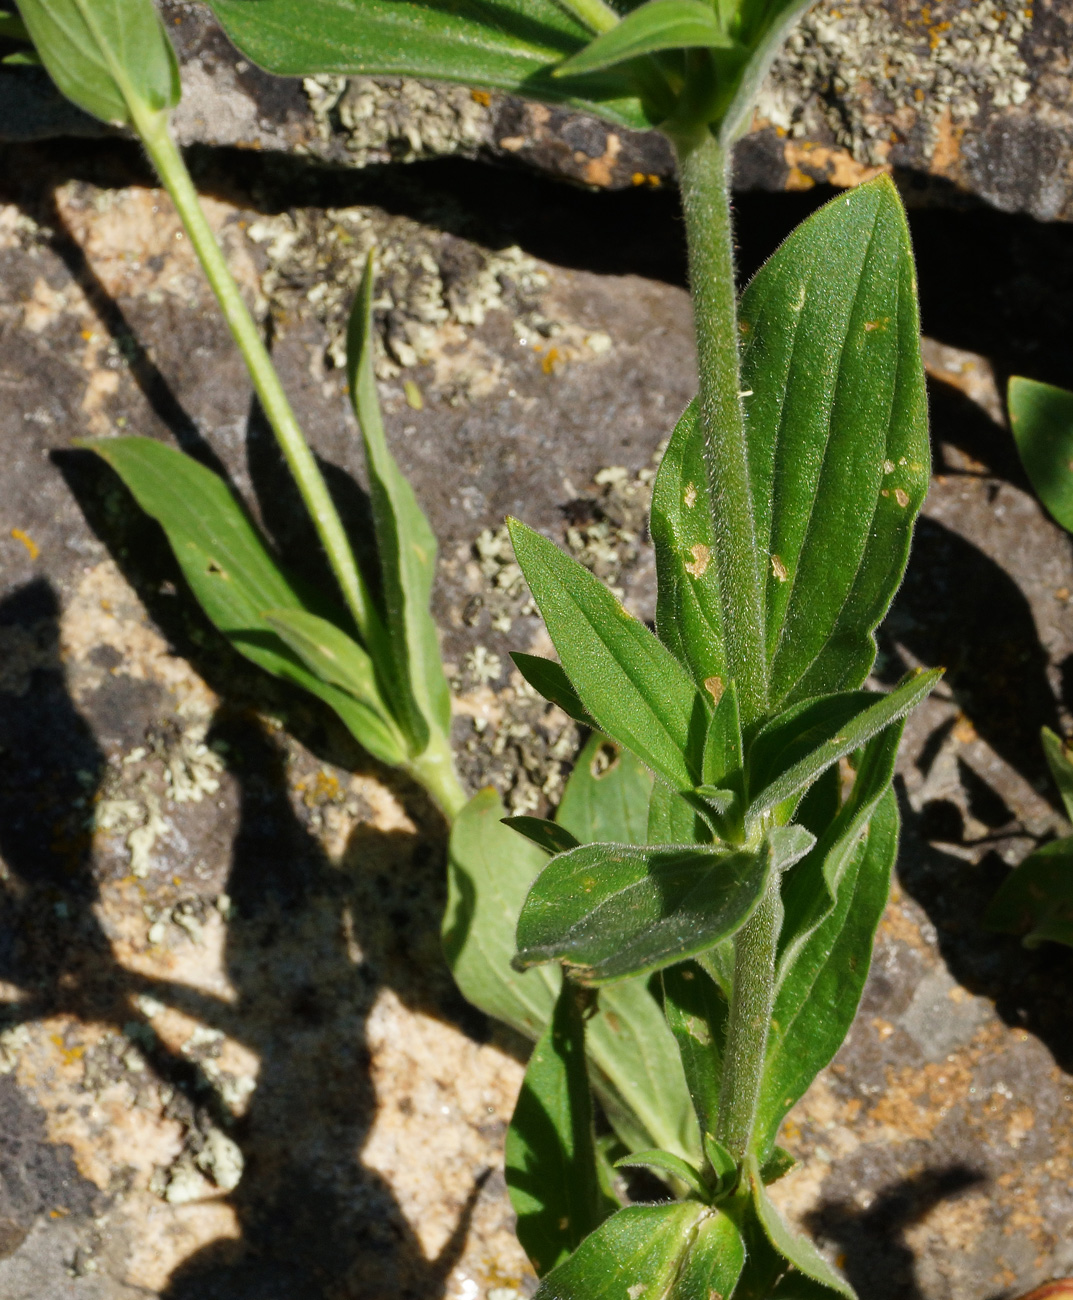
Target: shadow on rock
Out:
[871,1243]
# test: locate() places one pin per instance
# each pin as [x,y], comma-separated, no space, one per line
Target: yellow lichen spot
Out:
[778,569]
[902,497]
[691,492]
[638,178]
[412,393]
[888,467]
[699,565]
[27,541]
[654,180]
[548,364]
[880,324]
[481,97]
[714,687]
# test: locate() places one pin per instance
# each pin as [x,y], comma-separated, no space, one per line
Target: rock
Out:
[969,97]
[228,1034]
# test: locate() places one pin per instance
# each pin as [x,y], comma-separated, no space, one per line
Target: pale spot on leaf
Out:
[691,494]
[699,564]
[779,569]
[714,687]
[902,497]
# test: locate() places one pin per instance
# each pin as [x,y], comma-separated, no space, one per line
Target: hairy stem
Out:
[751,1003]
[703,174]
[166,158]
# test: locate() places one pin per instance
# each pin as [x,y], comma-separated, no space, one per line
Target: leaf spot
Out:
[636,1290]
[881,324]
[888,467]
[902,497]
[779,569]
[691,493]
[799,301]
[564,1223]
[884,492]
[213,567]
[714,687]
[699,565]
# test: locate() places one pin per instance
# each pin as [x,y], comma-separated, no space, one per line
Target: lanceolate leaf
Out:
[714,1261]
[1041,417]
[795,1249]
[634,1255]
[547,678]
[405,543]
[551,1151]
[818,996]
[837,435]
[340,662]
[672,819]
[1036,898]
[633,687]
[509,45]
[606,798]
[760,32]
[614,910]
[1058,760]
[105,54]
[656,25]
[796,747]
[689,615]
[549,836]
[665,1162]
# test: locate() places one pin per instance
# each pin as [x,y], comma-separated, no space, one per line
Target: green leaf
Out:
[547,678]
[110,57]
[760,32]
[549,836]
[509,45]
[1041,417]
[665,1162]
[810,892]
[689,611]
[672,819]
[776,1166]
[656,25]
[628,681]
[606,797]
[1058,760]
[551,1167]
[339,661]
[635,1069]
[836,427]
[714,1262]
[795,1249]
[792,750]
[634,1255]
[489,871]
[696,1011]
[614,910]
[12,28]
[817,999]
[723,759]
[1036,898]
[405,542]
[229,569]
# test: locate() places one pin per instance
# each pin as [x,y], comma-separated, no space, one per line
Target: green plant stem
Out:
[435,770]
[703,176]
[153,129]
[748,1023]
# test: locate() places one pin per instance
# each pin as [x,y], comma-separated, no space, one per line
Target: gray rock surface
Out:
[972,96]
[232,1064]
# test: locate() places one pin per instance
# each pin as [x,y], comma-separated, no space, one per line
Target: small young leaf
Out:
[549,836]
[776,1166]
[696,1011]
[1041,417]
[614,910]
[656,25]
[723,758]
[606,797]
[788,844]
[628,681]
[636,1253]
[836,424]
[795,1249]
[547,678]
[665,1162]
[689,612]
[818,996]
[405,543]
[673,819]
[551,1166]
[107,56]
[1058,760]
[761,30]
[796,747]
[1036,898]
[723,1164]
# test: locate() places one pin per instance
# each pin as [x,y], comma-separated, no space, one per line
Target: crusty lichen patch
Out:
[869,78]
